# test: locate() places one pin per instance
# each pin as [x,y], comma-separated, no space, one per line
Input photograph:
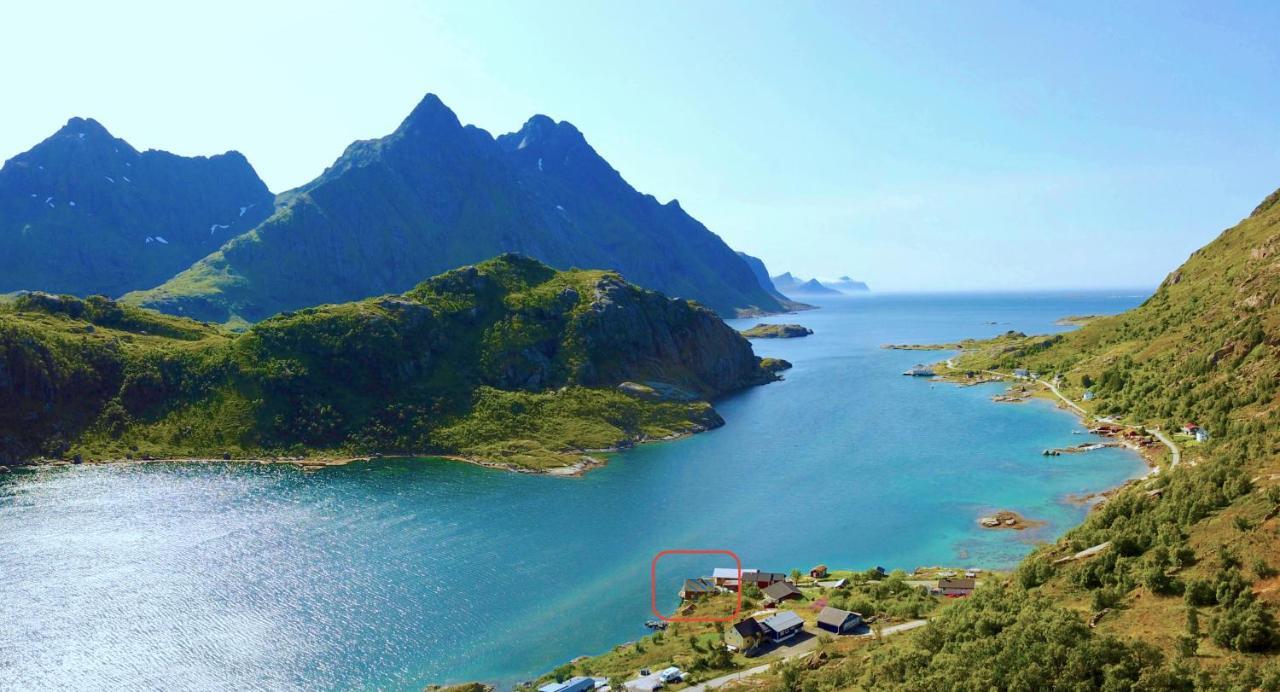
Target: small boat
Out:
[656,624]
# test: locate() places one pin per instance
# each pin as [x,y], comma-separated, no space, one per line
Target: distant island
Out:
[776,331]
[762,276]
[845,284]
[790,284]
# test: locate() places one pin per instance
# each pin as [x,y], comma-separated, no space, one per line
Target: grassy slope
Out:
[500,362]
[695,646]
[1188,589]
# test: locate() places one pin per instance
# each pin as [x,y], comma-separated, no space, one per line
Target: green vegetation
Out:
[776,331]
[699,648]
[508,362]
[1184,595]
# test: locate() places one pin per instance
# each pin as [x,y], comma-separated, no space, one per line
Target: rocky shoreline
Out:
[585,463]
[1008,519]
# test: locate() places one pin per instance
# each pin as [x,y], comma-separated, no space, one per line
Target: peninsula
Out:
[507,363]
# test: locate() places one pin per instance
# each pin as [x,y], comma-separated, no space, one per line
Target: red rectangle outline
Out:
[653,585]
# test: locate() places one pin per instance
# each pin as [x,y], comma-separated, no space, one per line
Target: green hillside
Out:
[508,361]
[1184,593]
[435,194]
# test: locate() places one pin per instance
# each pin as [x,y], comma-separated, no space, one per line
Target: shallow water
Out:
[401,573]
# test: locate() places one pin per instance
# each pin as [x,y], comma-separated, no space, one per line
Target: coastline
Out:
[1149,456]
[586,462]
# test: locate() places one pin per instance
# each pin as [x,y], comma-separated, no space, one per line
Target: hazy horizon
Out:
[926,148]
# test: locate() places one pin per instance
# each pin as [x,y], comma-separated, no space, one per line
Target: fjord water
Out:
[400,573]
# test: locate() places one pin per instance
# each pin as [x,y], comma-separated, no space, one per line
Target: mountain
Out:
[845,284]
[435,194]
[508,362]
[762,275]
[793,285]
[85,213]
[813,287]
[1181,590]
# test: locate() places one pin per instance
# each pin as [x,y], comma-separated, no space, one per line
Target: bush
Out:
[1105,598]
[1199,593]
[1247,626]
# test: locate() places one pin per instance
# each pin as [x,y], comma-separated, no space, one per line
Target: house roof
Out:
[783,621]
[573,684]
[698,586]
[956,583]
[748,627]
[727,572]
[755,575]
[781,589]
[835,616]
[819,568]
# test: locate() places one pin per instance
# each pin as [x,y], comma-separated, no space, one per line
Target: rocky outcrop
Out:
[632,334]
[776,331]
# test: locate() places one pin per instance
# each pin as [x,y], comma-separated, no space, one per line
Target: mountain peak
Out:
[430,114]
[545,132]
[84,127]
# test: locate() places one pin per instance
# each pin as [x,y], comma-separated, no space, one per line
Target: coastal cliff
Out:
[507,362]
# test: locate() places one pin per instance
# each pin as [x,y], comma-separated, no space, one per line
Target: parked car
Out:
[672,674]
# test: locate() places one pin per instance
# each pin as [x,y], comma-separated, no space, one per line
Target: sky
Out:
[916,146]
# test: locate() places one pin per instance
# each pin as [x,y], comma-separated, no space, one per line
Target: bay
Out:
[400,573]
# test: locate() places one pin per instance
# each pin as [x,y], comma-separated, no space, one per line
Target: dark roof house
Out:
[839,621]
[781,591]
[762,579]
[744,634]
[956,587]
[696,588]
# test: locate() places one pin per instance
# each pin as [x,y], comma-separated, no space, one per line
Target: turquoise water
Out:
[401,573]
